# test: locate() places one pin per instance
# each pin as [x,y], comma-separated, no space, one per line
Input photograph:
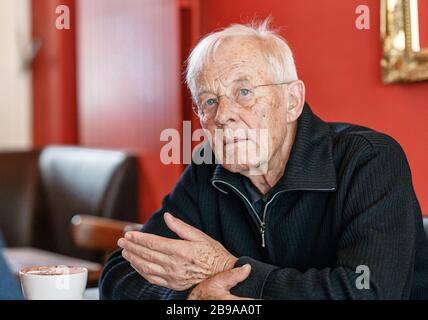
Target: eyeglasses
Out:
[242,94]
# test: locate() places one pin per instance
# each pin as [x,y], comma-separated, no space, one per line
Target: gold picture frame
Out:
[403,60]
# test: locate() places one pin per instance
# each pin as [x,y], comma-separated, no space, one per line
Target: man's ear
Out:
[296,100]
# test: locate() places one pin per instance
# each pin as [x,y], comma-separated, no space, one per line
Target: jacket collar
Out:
[310,166]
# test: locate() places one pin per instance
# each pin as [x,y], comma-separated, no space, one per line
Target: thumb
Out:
[182,229]
[231,278]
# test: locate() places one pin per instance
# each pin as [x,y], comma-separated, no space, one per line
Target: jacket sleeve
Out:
[119,281]
[377,231]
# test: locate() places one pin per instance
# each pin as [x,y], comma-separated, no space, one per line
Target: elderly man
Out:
[334,215]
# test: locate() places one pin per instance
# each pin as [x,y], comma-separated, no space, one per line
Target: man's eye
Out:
[244,92]
[211,102]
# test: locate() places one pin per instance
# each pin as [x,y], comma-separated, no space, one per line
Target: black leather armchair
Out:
[19,184]
[40,191]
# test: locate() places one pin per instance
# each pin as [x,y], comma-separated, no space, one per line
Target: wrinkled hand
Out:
[218,287]
[176,264]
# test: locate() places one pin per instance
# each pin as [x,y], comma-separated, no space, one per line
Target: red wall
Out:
[423,23]
[340,66]
[129,71]
[54,76]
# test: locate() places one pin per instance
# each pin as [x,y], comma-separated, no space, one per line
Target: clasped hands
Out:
[196,259]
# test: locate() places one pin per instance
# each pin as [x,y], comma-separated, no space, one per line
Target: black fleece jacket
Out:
[346,199]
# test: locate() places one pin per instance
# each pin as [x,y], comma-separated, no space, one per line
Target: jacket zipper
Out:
[262,221]
[263,224]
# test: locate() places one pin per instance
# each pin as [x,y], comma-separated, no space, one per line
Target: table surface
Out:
[20,257]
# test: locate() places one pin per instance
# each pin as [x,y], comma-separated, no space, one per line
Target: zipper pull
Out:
[262,232]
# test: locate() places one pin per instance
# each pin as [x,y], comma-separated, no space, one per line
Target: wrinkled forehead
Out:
[235,59]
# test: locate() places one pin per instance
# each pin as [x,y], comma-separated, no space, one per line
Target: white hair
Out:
[275,48]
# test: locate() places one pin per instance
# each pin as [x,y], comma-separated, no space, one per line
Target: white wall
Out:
[15,84]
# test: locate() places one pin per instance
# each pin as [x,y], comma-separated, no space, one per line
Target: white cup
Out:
[53,282]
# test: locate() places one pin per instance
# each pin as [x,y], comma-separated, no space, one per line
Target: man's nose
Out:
[226,112]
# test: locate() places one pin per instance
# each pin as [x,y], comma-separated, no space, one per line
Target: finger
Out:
[154,242]
[228,279]
[161,259]
[155,280]
[144,253]
[170,264]
[156,275]
[182,229]
[142,266]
